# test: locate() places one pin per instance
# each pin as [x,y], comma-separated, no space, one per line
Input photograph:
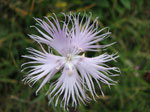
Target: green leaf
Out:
[103,3]
[120,9]
[126,3]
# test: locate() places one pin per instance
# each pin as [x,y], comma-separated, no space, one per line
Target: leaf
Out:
[103,3]
[120,9]
[126,3]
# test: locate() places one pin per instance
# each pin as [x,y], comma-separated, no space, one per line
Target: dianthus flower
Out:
[76,36]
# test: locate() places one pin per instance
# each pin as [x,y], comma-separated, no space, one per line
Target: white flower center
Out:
[71,60]
[69,63]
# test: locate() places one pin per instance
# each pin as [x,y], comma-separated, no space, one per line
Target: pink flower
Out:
[77,70]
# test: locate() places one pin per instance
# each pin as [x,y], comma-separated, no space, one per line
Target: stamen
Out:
[69,69]
[69,57]
[80,49]
[70,72]
[57,68]
[83,55]
[77,49]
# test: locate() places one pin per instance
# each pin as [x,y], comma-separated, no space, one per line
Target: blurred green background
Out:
[129,22]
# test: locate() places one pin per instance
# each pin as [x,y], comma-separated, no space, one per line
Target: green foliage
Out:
[129,22]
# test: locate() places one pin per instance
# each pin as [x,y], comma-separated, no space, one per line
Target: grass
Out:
[129,22]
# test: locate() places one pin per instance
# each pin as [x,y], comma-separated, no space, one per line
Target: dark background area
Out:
[129,22]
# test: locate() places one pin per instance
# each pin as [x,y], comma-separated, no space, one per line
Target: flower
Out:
[77,70]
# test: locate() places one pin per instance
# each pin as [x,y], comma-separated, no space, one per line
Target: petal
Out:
[46,66]
[52,34]
[95,68]
[70,86]
[85,35]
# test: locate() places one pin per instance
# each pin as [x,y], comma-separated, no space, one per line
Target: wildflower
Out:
[77,70]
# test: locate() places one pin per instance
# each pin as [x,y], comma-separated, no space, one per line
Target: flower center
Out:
[69,58]
[71,61]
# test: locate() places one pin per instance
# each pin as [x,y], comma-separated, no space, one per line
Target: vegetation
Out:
[129,22]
